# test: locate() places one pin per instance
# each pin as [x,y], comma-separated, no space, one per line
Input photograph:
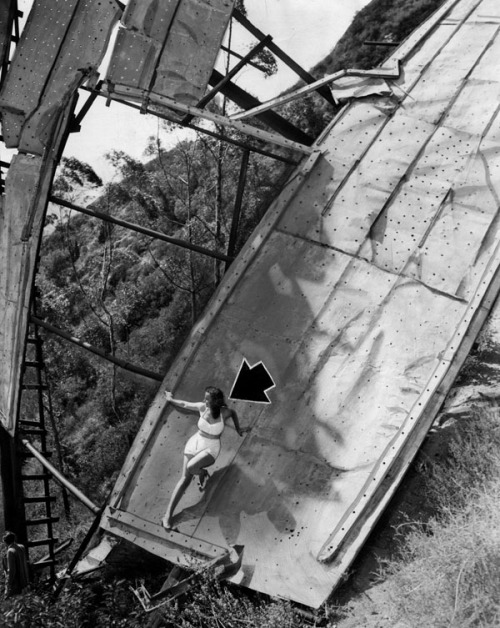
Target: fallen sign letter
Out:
[252,383]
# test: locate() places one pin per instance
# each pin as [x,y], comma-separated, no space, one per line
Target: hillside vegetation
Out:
[137,298]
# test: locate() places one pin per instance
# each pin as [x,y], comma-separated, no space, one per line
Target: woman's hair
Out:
[217,400]
[9,537]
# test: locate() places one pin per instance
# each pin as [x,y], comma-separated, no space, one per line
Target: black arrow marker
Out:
[251,383]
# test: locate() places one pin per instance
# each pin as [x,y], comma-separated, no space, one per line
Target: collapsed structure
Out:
[361,291]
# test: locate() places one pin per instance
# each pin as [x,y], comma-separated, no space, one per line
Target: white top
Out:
[210,429]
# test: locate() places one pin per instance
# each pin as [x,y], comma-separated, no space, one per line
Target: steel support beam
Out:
[199,129]
[246,101]
[124,364]
[144,230]
[235,223]
[293,65]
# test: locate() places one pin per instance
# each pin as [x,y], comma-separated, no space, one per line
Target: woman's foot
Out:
[203,478]
[166,522]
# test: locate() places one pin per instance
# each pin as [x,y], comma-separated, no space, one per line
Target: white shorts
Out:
[199,443]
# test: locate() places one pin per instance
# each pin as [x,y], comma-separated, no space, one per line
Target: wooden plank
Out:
[171,545]
[390,73]
[164,101]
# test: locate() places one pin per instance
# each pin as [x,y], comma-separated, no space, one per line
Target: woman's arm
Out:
[187,405]
[239,430]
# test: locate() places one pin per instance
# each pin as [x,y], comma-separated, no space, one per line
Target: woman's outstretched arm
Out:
[180,403]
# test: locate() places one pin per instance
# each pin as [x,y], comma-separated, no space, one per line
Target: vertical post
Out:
[237,205]
[12,487]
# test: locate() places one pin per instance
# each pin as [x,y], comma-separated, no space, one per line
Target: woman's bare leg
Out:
[199,462]
[177,493]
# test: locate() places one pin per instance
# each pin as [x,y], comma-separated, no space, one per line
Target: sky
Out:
[307,30]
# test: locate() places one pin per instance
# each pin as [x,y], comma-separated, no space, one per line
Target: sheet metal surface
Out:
[356,292]
[169,48]
[61,45]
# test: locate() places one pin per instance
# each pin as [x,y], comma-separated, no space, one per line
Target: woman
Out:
[202,448]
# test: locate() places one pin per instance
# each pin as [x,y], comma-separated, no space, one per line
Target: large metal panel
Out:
[190,51]
[348,368]
[168,47]
[27,187]
[61,45]
[448,70]
[16,257]
[342,148]
[36,52]
[362,292]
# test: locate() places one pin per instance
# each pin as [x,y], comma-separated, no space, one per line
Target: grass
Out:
[449,572]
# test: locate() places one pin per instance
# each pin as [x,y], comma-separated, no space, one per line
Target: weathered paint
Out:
[169,48]
[27,188]
[61,45]
[361,291]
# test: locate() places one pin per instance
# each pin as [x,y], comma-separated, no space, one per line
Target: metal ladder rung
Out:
[36,477]
[40,499]
[36,431]
[34,341]
[40,542]
[35,380]
[28,454]
[41,521]
[34,387]
[29,423]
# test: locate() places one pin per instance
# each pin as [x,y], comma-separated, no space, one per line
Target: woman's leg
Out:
[177,493]
[197,464]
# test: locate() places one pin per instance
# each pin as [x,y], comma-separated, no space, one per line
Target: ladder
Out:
[36,482]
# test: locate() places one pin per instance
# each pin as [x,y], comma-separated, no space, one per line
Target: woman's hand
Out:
[244,430]
[168,395]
